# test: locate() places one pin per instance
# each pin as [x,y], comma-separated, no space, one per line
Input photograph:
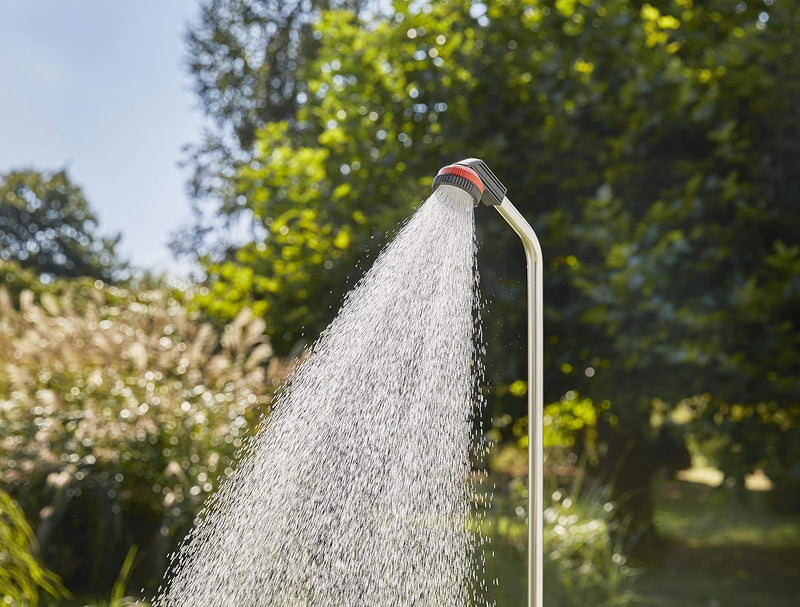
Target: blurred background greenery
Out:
[655,147]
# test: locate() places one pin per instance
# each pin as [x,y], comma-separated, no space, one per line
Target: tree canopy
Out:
[48,227]
[651,144]
[247,61]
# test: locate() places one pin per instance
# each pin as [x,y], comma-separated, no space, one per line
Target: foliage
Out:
[747,437]
[16,279]
[583,564]
[117,421]
[245,59]
[22,577]
[654,143]
[692,276]
[47,226]
[79,291]
[570,420]
[118,598]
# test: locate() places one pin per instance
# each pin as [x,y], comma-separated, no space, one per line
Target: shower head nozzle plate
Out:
[462,177]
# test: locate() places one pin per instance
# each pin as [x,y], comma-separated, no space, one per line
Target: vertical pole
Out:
[533,255]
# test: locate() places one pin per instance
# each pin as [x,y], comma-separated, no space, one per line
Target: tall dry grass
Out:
[117,418]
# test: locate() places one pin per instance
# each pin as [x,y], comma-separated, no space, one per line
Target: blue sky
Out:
[100,87]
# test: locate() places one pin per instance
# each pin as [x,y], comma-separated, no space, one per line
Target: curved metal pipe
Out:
[533,254]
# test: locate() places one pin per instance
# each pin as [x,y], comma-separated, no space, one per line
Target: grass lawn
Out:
[722,550]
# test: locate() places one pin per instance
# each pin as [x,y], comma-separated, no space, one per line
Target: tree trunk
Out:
[629,467]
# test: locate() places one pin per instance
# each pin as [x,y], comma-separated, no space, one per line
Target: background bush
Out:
[117,420]
[585,548]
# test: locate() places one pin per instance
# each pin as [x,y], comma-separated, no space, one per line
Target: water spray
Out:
[473,176]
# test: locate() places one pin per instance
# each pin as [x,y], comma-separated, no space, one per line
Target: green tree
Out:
[690,244]
[246,59]
[320,204]
[47,226]
[648,142]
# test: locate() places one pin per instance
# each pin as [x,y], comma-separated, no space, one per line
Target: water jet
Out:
[388,523]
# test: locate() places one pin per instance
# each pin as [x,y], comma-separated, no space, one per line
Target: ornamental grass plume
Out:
[118,414]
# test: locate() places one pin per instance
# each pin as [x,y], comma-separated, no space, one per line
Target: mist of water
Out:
[354,491]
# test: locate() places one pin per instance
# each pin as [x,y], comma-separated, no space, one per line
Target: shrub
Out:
[584,563]
[119,419]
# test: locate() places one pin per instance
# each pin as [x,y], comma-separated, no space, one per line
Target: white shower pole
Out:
[533,254]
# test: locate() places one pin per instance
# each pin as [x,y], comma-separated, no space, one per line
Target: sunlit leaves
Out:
[646,141]
[378,93]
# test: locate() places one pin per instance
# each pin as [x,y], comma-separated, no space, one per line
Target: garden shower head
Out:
[474,177]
